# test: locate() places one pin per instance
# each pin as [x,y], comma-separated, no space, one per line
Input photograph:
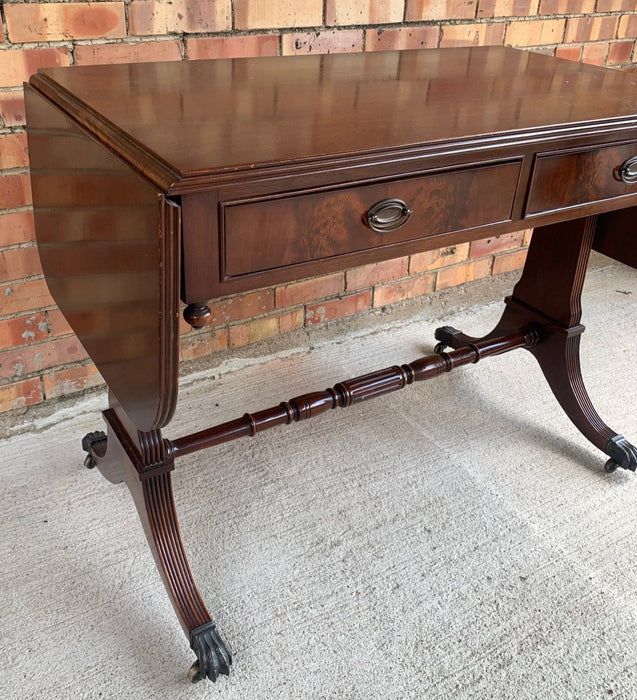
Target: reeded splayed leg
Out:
[549,294]
[162,530]
[142,460]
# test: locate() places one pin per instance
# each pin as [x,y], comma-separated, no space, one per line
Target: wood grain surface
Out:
[202,117]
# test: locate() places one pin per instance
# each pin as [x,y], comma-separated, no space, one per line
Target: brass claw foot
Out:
[622,454]
[94,444]
[445,336]
[213,657]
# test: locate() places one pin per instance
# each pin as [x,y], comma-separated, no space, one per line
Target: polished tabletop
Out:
[210,116]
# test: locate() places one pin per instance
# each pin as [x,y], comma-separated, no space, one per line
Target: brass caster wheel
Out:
[194,673]
[89,462]
[610,466]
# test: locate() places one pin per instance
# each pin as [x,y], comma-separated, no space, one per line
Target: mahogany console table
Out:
[159,181]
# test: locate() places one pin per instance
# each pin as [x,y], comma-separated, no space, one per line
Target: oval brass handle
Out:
[628,171]
[388,215]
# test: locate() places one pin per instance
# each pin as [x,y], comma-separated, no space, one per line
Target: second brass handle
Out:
[628,171]
[387,215]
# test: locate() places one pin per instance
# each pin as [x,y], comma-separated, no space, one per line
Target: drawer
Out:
[301,227]
[562,180]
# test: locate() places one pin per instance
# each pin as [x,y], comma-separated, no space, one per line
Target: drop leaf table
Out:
[193,180]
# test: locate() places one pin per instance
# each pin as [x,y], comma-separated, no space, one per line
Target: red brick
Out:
[507,8]
[20,394]
[405,289]
[132,52]
[615,6]
[620,53]
[180,16]
[509,262]
[308,290]
[472,34]
[579,29]
[18,65]
[496,244]
[435,259]
[202,344]
[565,7]
[570,53]
[57,21]
[70,381]
[291,320]
[18,362]
[440,9]
[454,276]
[595,54]
[13,151]
[344,12]
[233,46]
[368,276]
[12,108]
[16,227]
[402,38]
[263,14]
[339,308]
[325,41]
[241,307]
[23,330]
[627,27]
[252,332]
[18,263]
[15,191]
[58,325]
[535,32]
[23,297]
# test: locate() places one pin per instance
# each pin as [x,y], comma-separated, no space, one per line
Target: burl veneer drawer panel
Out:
[562,180]
[293,228]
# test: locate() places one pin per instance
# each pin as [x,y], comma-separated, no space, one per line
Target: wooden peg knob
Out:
[197,315]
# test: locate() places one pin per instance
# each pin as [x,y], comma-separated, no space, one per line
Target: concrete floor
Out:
[458,539]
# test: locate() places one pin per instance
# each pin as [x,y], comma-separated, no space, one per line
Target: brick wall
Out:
[40,359]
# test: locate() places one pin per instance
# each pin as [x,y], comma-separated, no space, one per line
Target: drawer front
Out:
[297,228]
[563,180]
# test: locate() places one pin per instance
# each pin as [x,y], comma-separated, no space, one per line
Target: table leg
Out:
[144,462]
[549,294]
[542,315]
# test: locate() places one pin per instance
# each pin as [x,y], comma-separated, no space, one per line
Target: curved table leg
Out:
[145,464]
[156,506]
[558,354]
[549,295]
[559,359]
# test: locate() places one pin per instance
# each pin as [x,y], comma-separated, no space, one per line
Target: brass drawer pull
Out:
[628,171]
[388,215]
